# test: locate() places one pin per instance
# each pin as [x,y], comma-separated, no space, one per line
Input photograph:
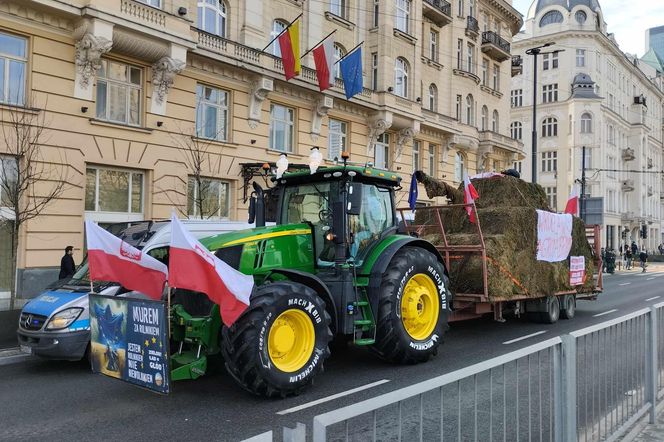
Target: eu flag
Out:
[412,194]
[351,73]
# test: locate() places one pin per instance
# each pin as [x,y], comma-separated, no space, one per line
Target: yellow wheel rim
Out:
[290,341]
[420,306]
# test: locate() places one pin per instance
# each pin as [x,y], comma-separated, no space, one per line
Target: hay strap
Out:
[509,275]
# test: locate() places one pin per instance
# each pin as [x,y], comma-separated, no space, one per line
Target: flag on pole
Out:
[289,44]
[469,196]
[195,268]
[412,194]
[111,259]
[351,72]
[572,206]
[324,60]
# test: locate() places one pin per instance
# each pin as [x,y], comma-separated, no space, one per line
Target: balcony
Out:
[463,69]
[472,27]
[627,185]
[490,139]
[627,216]
[628,154]
[495,46]
[438,11]
[517,65]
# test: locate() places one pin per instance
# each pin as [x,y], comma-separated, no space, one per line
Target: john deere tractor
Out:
[334,264]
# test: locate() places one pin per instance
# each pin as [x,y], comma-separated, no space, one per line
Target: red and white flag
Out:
[572,206]
[469,196]
[193,267]
[111,259]
[324,60]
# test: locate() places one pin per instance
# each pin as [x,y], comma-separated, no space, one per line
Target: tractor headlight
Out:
[64,318]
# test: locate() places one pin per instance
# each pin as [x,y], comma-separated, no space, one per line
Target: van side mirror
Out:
[354,199]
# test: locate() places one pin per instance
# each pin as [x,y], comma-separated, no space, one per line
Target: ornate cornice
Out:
[260,87]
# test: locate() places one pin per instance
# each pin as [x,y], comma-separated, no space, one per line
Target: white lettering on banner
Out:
[577,270]
[554,236]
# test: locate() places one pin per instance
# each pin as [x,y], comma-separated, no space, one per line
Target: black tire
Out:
[393,342]
[568,307]
[245,344]
[552,313]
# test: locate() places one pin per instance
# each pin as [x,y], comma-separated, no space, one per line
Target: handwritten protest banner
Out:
[554,236]
[577,270]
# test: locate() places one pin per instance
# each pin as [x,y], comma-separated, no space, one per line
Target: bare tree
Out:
[28,181]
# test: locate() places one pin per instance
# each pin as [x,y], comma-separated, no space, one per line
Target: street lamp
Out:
[535,52]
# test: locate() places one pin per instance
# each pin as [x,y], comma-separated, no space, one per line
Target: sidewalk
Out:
[652,433]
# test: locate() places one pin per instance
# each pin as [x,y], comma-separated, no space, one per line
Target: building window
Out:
[484,117]
[470,59]
[277,27]
[516,98]
[551,17]
[416,155]
[339,52]
[374,71]
[471,8]
[460,54]
[433,45]
[153,3]
[336,140]
[8,180]
[433,98]
[496,77]
[516,130]
[403,15]
[13,59]
[338,8]
[113,191]
[550,127]
[282,128]
[459,167]
[551,196]
[580,17]
[211,113]
[550,61]
[382,151]
[518,166]
[119,93]
[459,99]
[401,77]
[207,198]
[485,71]
[580,58]
[550,93]
[549,161]
[432,160]
[376,12]
[589,159]
[495,121]
[586,123]
[460,8]
[470,110]
[212,17]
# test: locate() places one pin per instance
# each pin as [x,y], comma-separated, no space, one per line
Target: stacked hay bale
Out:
[506,209]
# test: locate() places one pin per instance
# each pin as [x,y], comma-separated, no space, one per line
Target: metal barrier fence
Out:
[590,385]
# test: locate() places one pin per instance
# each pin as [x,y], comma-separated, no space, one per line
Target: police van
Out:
[56,324]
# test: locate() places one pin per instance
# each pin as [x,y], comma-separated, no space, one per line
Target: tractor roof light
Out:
[315,158]
[282,165]
[345,155]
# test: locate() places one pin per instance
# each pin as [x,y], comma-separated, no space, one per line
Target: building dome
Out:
[583,87]
[539,5]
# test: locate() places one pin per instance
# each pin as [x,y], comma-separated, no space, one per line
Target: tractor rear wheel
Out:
[278,345]
[412,307]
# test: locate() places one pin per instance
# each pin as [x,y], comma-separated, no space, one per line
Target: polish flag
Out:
[469,196]
[193,267]
[111,259]
[324,60]
[572,206]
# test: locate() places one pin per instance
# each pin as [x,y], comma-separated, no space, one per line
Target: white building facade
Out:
[589,93]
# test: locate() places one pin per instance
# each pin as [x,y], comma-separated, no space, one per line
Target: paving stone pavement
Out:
[654,432]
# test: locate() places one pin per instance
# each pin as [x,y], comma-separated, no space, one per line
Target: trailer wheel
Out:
[552,313]
[568,307]
[412,307]
[278,345]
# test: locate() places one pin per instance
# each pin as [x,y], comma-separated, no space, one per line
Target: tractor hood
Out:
[257,251]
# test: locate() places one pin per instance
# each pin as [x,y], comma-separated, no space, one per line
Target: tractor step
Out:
[365,341]
[362,322]
[361,304]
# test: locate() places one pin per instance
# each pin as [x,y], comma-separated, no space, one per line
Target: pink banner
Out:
[577,270]
[554,236]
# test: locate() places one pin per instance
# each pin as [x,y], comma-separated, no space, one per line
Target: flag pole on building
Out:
[318,44]
[349,52]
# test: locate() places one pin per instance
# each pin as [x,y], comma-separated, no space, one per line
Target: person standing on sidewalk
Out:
[643,257]
[67,265]
[628,259]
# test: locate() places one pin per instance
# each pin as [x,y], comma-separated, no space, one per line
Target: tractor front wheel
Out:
[412,307]
[278,345]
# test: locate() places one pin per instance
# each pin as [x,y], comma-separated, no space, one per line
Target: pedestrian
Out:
[67,266]
[628,259]
[635,249]
[603,255]
[643,257]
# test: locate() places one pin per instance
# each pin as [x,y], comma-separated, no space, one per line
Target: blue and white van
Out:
[56,324]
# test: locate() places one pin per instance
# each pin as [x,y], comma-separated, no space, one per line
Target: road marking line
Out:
[332,397]
[653,298]
[524,337]
[605,313]
[625,283]
[651,278]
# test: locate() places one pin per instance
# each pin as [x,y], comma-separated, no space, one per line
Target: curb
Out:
[12,356]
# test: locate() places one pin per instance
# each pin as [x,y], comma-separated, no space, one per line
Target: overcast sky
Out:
[627,20]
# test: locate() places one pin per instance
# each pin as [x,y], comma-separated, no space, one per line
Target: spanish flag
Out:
[289,44]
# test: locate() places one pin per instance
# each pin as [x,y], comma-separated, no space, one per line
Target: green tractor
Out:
[334,265]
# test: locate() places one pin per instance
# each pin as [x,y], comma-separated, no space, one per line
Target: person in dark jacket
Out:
[635,249]
[643,257]
[67,266]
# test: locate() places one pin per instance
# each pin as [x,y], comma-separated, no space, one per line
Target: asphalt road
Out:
[64,401]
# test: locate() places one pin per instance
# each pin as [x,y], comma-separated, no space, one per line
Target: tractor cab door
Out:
[375,218]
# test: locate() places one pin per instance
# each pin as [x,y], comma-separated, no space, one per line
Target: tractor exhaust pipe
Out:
[259,206]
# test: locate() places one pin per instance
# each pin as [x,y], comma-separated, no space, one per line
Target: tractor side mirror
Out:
[252,210]
[354,199]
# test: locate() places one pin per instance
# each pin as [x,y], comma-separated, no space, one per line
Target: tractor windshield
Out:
[375,217]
